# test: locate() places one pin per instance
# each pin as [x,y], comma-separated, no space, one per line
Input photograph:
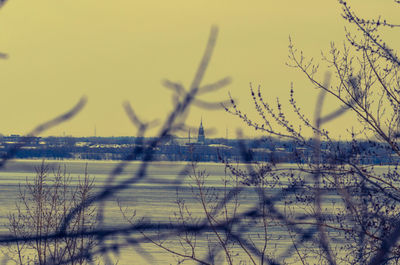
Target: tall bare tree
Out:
[364,80]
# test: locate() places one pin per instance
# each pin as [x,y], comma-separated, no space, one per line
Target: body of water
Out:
[152,199]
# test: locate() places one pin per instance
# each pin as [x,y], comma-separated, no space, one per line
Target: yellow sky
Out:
[121,50]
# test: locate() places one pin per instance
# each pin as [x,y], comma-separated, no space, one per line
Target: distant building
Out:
[201,137]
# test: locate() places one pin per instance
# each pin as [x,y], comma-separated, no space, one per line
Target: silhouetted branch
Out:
[41,128]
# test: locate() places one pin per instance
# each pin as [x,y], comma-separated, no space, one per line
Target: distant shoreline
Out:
[175,149]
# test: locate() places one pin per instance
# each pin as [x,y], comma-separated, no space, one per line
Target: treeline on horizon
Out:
[212,150]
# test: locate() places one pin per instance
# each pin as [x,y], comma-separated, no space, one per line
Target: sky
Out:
[121,50]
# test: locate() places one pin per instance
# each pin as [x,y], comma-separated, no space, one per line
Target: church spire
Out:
[201,137]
